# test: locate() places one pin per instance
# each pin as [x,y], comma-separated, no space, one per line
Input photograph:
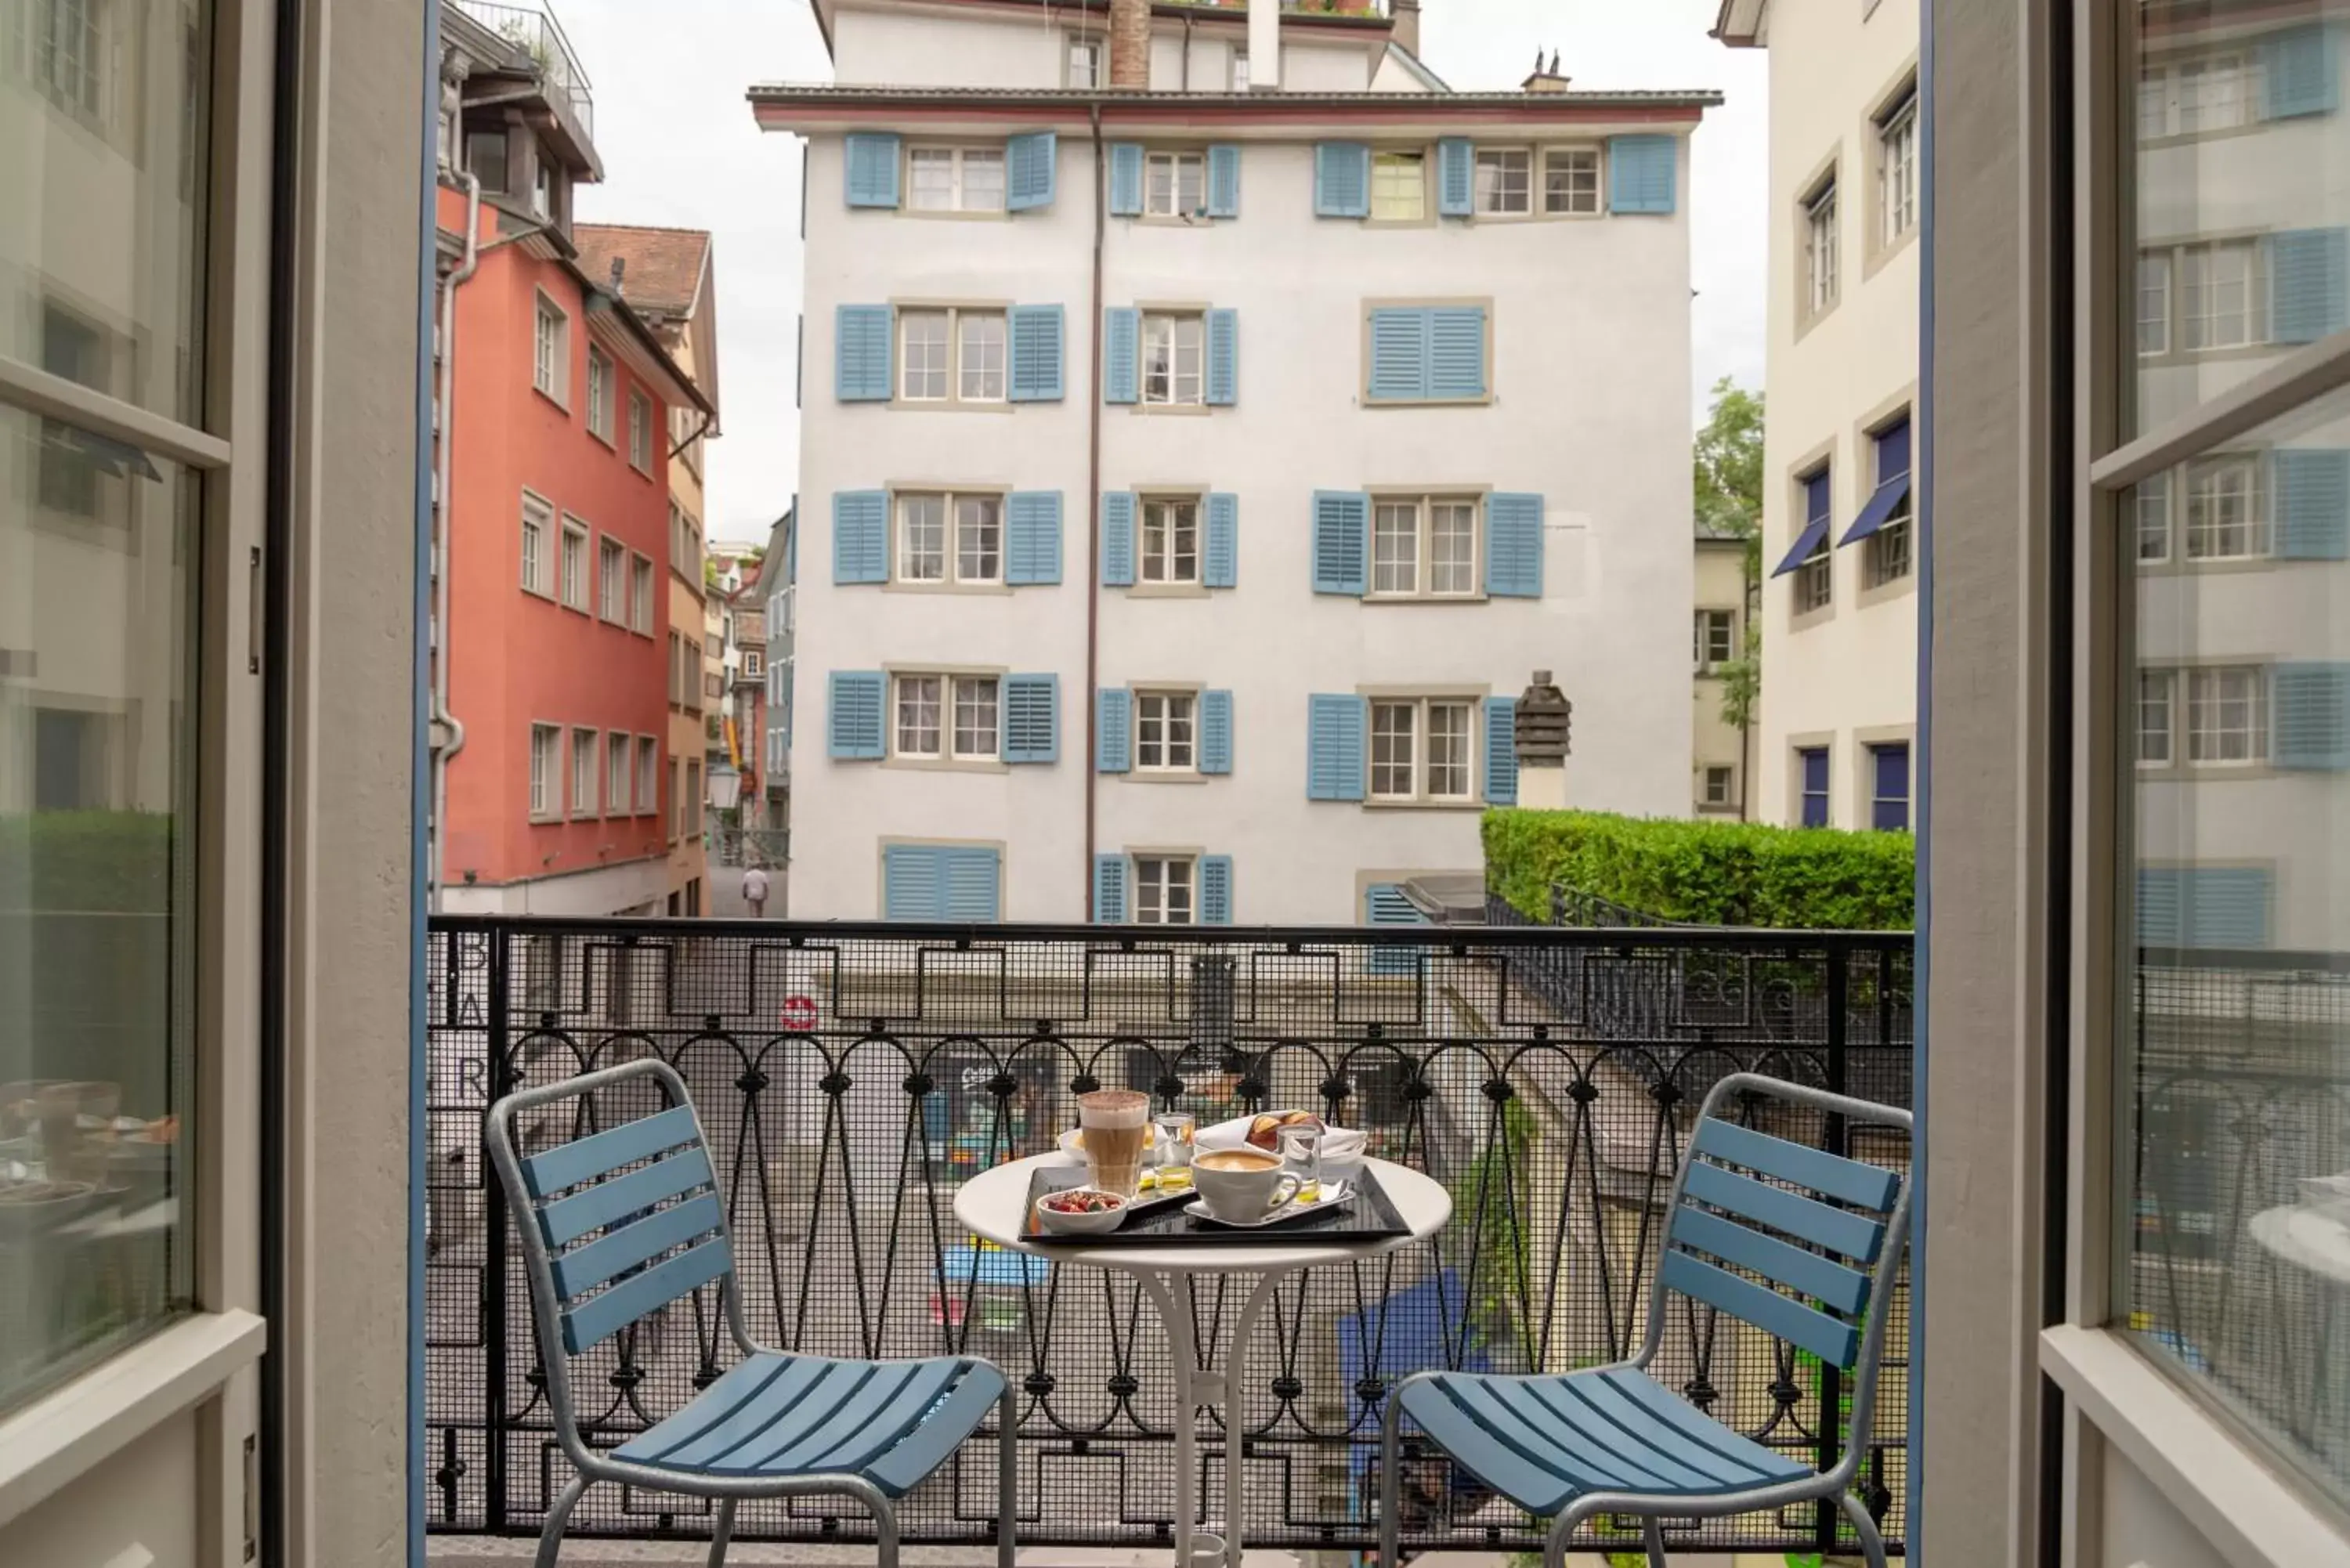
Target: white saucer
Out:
[1333,1192]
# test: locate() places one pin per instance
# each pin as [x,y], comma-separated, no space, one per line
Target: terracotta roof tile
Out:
[664,266]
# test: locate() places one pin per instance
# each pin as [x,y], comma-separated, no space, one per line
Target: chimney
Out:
[1540,731]
[1264,46]
[619,277]
[1406,24]
[1130,45]
[1545,79]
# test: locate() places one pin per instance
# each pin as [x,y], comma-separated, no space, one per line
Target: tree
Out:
[1727,484]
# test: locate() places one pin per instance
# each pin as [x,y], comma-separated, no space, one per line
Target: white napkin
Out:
[1337,1143]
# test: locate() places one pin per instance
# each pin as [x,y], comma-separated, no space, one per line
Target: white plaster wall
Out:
[900,48]
[1591,378]
[1856,670]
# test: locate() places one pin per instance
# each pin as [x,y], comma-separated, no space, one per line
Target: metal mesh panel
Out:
[850,1077]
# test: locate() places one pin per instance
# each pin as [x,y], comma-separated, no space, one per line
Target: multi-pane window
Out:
[611,580]
[1424,547]
[676,796]
[1889,798]
[2154,303]
[930,551]
[950,355]
[1399,187]
[1165,734]
[545,770]
[537,560]
[1718,785]
[550,350]
[2156,694]
[599,393]
[692,795]
[1240,70]
[1888,549]
[1175,184]
[1812,773]
[2226,515]
[2191,97]
[1820,282]
[616,775]
[2219,284]
[1815,580]
[1084,62]
[1715,642]
[2153,509]
[1420,748]
[1505,180]
[2227,716]
[1896,168]
[1571,180]
[1173,360]
[941,717]
[1170,541]
[1164,889]
[641,431]
[68,54]
[955,180]
[640,595]
[583,759]
[571,567]
[648,775]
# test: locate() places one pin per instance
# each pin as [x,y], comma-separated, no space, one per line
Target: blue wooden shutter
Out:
[2313,502]
[1109,889]
[1223,181]
[1113,729]
[1640,174]
[1032,537]
[1456,177]
[1036,336]
[1220,567]
[1385,904]
[1224,357]
[913,882]
[2161,906]
[860,536]
[1032,718]
[858,716]
[860,365]
[1342,180]
[1215,889]
[2309,281]
[2227,907]
[2297,73]
[1215,731]
[1501,750]
[872,170]
[1029,171]
[1121,354]
[1334,747]
[970,884]
[1513,545]
[1456,352]
[2309,707]
[1125,179]
[1342,541]
[1398,355]
[1118,539]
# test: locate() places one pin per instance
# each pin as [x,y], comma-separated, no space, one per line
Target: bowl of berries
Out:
[1080,1211]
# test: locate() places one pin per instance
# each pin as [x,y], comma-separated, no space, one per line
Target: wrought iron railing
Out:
[851,1076]
[531,27]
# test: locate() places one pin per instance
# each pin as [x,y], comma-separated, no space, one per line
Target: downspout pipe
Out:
[1093,510]
[444,509]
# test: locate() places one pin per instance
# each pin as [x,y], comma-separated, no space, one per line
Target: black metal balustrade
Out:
[851,1076]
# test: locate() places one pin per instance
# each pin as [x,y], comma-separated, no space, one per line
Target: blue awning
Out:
[1415,1330]
[1806,543]
[1879,511]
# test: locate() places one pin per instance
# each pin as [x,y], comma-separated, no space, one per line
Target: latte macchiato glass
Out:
[1117,1127]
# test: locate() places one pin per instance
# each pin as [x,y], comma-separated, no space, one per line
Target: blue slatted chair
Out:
[618,1224]
[1798,1242]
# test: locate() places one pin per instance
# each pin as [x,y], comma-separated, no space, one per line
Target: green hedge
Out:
[99,862]
[1705,873]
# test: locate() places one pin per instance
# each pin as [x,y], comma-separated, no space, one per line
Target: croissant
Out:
[1266,1130]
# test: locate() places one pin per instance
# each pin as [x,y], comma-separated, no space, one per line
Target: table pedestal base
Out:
[1200,1382]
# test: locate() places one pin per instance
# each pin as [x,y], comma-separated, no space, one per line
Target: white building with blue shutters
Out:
[1194,476]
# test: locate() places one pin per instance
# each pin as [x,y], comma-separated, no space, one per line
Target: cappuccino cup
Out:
[1242,1185]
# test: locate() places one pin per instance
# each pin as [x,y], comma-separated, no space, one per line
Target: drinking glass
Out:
[1175,1130]
[1301,1155]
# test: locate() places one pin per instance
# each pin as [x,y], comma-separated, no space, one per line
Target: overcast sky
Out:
[678,148]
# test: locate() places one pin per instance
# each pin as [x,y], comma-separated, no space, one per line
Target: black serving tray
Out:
[1366,1214]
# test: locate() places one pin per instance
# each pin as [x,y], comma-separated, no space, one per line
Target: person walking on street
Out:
[755,890]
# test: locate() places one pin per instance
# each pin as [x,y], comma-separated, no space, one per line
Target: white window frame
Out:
[2163,701]
[1169,327]
[1174,162]
[1896,168]
[538,562]
[1157,711]
[954,368]
[1724,774]
[2255,731]
[1240,70]
[1166,889]
[1891,554]
[753,665]
[611,581]
[1502,156]
[1159,564]
[2246,538]
[617,773]
[2166,86]
[600,383]
[649,754]
[1424,560]
[2195,326]
[587,747]
[643,580]
[550,362]
[572,589]
[2154,270]
[546,773]
[2153,494]
[641,433]
[1823,284]
[1708,622]
[1088,47]
[1816,579]
[955,687]
[1420,765]
[952,545]
[959,199]
[1389,162]
[1580,203]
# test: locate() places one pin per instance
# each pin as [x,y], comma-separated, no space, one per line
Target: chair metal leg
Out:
[723,1533]
[550,1540]
[1872,1545]
[1007,1475]
[1390,1484]
[1652,1531]
[885,1536]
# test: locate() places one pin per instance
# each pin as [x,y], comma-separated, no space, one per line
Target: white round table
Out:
[993,1205]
